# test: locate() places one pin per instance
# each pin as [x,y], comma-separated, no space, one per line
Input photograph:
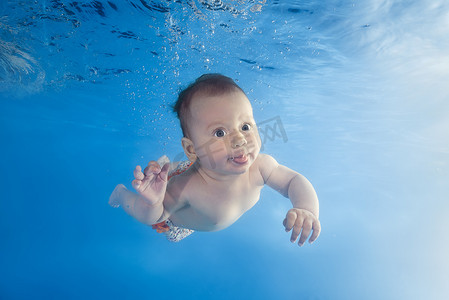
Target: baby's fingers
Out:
[296,229]
[316,231]
[138,173]
[290,220]
[302,223]
[136,184]
[164,172]
[152,168]
[306,228]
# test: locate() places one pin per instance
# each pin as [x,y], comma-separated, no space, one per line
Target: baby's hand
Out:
[298,219]
[152,183]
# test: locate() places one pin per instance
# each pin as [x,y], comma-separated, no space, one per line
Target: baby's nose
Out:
[238,140]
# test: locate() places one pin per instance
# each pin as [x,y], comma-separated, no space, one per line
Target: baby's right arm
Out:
[151,184]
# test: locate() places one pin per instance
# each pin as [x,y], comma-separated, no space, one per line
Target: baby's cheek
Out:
[211,149]
[254,140]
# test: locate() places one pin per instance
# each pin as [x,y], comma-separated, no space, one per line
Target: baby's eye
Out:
[219,133]
[246,127]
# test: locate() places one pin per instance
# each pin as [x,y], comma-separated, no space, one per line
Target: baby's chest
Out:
[225,206]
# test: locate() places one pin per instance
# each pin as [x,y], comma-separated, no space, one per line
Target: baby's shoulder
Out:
[265,164]
[266,161]
[181,180]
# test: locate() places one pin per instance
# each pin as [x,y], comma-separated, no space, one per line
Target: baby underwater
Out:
[224,174]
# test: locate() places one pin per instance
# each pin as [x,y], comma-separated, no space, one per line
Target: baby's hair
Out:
[212,84]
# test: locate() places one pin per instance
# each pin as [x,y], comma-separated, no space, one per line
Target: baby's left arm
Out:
[303,217]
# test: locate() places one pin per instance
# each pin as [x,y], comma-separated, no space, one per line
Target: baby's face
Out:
[224,132]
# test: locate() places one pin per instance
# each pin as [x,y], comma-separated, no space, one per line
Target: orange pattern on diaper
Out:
[181,168]
[161,227]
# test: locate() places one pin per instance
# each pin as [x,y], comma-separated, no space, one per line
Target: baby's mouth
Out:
[241,159]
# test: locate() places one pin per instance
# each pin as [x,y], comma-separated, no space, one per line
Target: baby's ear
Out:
[189,149]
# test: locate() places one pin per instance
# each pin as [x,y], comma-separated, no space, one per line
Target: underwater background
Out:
[352,94]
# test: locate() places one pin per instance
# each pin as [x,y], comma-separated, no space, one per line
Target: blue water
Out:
[358,88]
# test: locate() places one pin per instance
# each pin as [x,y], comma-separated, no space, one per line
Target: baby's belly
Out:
[211,218]
[192,219]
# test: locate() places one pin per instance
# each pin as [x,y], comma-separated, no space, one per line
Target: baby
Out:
[225,172]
